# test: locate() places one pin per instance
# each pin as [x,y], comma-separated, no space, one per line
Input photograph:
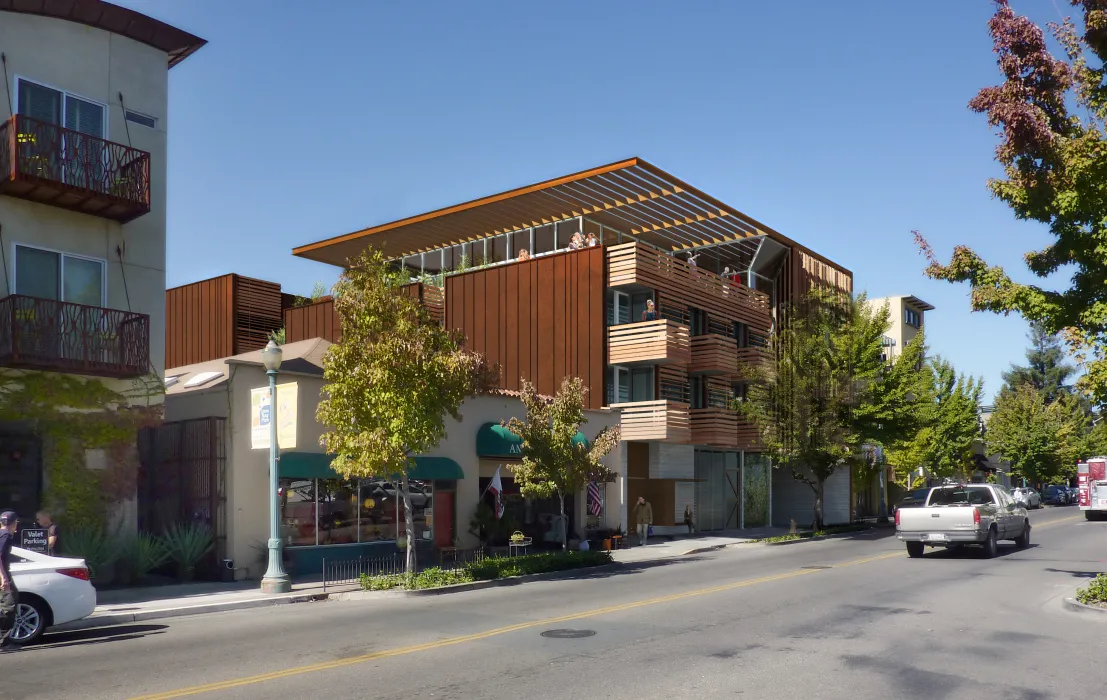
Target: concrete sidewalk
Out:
[117,607]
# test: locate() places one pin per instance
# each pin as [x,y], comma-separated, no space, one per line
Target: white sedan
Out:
[52,590]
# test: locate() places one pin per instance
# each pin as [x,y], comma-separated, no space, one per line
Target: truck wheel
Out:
[1023,540]
[1091,515]
[914,549]
[991,545]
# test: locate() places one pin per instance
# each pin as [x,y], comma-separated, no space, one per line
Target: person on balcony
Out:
[524,254]
[650,314]
[592,241]
[576,242]
[692,259]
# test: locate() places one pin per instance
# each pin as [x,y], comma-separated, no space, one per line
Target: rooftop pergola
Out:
[639,200]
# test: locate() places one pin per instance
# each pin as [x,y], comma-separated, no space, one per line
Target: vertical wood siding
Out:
[219,317]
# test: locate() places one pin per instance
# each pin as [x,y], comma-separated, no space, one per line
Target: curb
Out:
[1076,606]
[112,619]
[477,585]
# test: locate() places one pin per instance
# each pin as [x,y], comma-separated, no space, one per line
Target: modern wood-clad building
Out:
[671,294]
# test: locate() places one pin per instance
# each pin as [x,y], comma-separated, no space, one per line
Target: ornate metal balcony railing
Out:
[57,336]
[47,163]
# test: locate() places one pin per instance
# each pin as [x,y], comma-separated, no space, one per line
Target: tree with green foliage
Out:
[553,463]
[1052,113]
[1046,369]
[955,421]
[902,408]
[812,407]
[1024,430]
[392,381]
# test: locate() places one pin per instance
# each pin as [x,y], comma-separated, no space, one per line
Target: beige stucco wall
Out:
[96,65]
[898,329]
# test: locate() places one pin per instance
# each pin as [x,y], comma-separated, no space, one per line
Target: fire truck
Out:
[1091,478]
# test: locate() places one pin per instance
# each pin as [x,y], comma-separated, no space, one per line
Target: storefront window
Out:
[337,512]
[378,512]
[297,499]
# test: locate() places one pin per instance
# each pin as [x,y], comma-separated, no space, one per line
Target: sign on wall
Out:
[261,413]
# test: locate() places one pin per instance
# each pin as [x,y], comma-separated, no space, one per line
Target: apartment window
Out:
[699,322]
[625,384]
[618,309]
[141,119]
[47,274]
[62,109]
[912,318]
[699,398]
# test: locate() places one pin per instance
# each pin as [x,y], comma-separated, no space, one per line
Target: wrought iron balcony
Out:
[56,336]
[46,163]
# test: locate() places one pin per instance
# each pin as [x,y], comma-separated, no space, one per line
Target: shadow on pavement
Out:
[974,552]
[100,635]
[1075,574]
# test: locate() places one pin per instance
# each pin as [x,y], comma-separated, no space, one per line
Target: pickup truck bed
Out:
[962,514]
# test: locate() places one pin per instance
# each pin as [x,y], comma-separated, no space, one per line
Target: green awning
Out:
[317,465]
[495,440]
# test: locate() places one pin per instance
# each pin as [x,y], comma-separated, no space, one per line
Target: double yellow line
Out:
[452,641]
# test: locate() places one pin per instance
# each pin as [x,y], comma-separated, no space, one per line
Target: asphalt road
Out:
[848,618]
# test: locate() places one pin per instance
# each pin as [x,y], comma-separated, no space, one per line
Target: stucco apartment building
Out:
[906,316]
[83,131]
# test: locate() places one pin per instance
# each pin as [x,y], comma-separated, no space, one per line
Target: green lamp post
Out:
[276,579]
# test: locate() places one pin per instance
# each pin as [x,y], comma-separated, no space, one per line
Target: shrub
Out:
[384,582]
[142,554]
[94,546]
[436,578]
[187,545]
[503,567]
[1095,593]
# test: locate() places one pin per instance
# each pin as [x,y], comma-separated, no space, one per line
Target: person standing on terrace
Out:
[524,254]
[576,242]
[592,241]
[650,314]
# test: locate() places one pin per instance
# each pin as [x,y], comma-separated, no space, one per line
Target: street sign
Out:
[261,414]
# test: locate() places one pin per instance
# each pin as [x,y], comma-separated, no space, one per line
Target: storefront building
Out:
[324,515]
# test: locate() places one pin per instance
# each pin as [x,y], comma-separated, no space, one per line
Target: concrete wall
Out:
[793,499]
[96,65]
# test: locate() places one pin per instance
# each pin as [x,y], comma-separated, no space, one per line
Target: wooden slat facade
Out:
[659,342]
[678,284]
[219,317]
[714,354]
[317,320]
[540,319]
[665,421]
[717,427]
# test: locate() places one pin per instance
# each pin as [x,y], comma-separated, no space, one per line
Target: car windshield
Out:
[955,496]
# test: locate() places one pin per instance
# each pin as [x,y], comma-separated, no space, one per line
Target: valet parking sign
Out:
[261,413]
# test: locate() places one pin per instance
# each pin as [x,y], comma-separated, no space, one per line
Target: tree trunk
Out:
[409,526]
[820,490]
[564,523]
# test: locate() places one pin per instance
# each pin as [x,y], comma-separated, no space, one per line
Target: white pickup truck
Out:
[962,514]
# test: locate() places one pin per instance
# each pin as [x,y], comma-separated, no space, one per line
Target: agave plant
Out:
[187,544]
[96,547]
[142,554]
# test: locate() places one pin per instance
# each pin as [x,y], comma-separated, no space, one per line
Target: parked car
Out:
[1028,497]
[1074,495]
[960,514]
[52,590]
[912,499]
[1055,496]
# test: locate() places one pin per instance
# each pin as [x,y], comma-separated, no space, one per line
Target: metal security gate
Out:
[182,479]
[718,487]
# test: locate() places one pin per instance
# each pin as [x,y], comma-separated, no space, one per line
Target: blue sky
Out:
[841,125]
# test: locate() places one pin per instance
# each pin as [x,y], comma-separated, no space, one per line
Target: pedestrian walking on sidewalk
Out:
[9,595]
[643,516]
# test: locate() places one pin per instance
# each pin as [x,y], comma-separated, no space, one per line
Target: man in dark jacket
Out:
[9,594]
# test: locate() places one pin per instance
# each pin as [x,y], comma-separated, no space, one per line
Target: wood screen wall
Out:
[541,319]
[219,317]
[317,320]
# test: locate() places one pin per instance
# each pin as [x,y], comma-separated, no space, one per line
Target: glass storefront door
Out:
[717,488]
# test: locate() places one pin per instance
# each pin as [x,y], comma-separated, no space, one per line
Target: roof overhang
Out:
[177,43]
[918,303]
[632,196]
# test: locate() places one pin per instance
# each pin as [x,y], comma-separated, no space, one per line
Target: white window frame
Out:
[65,94]
[62,255]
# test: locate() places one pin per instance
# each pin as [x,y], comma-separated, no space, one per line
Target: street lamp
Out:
[276,580]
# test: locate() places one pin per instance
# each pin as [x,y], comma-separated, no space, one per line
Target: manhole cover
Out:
[815,567]
[568,634]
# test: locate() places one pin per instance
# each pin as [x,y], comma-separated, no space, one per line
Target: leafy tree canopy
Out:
[1046,369]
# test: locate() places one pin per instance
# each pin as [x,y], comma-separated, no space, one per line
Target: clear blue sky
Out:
[842,125]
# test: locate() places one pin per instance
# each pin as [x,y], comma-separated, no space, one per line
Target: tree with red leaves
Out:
[1052,116]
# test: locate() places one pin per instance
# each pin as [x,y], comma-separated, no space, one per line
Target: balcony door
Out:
[77,157]
[56,330]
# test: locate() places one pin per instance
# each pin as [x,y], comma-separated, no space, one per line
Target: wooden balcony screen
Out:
[658,342]
[717,427]
[47,163]
[681,285]
[318,320]
[57,336]
[665,421]
[714,354]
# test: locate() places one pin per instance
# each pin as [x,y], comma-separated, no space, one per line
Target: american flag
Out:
[595,504]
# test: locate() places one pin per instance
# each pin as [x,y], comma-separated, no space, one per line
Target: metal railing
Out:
[44,334]
[348,571]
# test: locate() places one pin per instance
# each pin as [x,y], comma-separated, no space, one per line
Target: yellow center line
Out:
[427,646]
[1051,523]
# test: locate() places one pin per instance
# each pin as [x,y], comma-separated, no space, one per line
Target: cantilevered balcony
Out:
[714,354]
[751,357]
[56,336]
[663,421]
[660,342]
[717,427]
[50,164]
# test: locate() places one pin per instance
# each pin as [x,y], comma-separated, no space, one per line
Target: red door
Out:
[443,519]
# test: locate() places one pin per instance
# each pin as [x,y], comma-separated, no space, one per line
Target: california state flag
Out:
[496,488]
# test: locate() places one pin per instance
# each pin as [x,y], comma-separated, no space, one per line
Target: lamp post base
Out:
[272,586]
